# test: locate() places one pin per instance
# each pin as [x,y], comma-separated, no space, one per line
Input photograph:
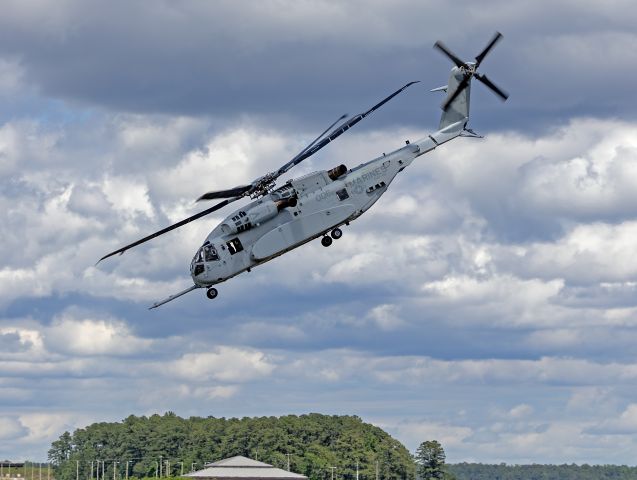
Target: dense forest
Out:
[137,445]
[167,445]
[478,471]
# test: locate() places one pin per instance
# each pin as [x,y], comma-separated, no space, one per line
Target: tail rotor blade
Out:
[441,46]
[461,86]
[497,90]
[496,38]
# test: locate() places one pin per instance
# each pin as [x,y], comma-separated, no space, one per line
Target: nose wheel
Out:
[212,293]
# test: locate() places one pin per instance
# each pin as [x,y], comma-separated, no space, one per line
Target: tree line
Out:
[479,471]
[313,444]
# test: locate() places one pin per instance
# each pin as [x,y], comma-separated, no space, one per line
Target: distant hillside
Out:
[314,443]
[479,471]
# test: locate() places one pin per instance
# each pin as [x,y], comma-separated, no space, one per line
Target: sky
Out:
[488,300]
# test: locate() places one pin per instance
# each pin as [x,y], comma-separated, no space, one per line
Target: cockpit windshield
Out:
[210,253]
[207,253]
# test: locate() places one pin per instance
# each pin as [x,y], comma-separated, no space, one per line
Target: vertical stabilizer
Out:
[458,109]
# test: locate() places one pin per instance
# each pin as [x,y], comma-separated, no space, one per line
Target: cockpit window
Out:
[210,253]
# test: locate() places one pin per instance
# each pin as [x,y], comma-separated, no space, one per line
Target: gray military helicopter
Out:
[315,205]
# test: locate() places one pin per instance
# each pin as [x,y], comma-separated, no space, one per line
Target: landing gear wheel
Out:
[212,293]
[336,233]
[326,241]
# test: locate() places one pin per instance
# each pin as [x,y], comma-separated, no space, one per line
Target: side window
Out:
[234,246]
[342,194]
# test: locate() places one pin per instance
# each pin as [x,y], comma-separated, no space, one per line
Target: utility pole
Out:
[40,465]
[48,472]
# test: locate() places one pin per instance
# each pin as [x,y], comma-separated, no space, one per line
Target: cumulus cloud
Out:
[226,364]
[489,264]
[10,428]
[82,335]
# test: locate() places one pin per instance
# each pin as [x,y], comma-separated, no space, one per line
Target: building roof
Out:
[245,469]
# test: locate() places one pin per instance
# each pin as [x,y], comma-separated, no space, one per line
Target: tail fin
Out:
[458,109]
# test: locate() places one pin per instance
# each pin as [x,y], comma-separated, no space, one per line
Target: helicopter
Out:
[318,204]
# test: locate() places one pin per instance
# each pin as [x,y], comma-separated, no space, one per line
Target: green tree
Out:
[313,442]
[430,461]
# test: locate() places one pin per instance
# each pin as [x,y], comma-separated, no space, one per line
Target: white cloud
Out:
[10,428]
[229,364]
[93,336]
[624,424]
[414,432]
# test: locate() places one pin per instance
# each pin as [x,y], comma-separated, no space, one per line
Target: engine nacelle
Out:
[255,216]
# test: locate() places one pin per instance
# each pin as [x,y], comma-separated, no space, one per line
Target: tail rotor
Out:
[469,70]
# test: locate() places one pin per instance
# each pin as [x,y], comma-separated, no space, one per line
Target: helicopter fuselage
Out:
[302,210]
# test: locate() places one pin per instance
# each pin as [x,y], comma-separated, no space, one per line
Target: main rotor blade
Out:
[172,227]
[441,46]
[311,144]
[461,86]
[337,132]
[483,78]
[488,48]
[232,192]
